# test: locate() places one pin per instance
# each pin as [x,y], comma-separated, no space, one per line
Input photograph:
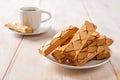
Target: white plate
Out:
[40,30]
[90,64]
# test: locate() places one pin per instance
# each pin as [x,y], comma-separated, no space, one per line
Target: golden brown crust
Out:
[103,55]
[80,40]
[19,28]
[58,54]
[84,45]
[85,56]
[93,45]
[57,40]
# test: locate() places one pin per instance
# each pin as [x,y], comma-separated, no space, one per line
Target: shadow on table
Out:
[98,73]
[77,72]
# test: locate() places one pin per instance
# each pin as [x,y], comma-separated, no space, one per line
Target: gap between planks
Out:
[11,61]
[116,74]
[15,53]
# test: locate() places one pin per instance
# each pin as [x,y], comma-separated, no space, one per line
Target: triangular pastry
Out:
[81,37]
[57,40]
[92,51]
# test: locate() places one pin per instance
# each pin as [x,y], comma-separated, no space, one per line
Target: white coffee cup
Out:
[31,16]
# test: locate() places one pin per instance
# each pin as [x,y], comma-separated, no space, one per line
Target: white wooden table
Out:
[19,59]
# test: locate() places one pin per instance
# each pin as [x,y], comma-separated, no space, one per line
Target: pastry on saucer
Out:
[19,28]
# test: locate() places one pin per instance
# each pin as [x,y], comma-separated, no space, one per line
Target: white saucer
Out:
[90,64]
[40,30]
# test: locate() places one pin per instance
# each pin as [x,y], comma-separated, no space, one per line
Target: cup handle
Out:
[49,14]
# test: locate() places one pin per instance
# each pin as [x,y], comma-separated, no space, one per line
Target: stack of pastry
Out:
[78,46]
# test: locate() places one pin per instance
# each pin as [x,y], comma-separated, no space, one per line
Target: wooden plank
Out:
[29,65]
[9,13]
[65,13]
[105,13]
[8,41]
[8,45]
